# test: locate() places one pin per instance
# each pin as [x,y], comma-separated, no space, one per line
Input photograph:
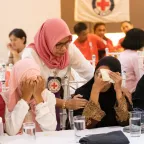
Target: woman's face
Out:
[61,47]
[100,31]
[125,27]
[17,43]
[96,74]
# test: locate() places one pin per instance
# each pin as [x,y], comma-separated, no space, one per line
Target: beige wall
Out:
[25,14]
[136,15]
[30,14]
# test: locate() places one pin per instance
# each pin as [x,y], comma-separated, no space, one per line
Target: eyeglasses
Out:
[60,45]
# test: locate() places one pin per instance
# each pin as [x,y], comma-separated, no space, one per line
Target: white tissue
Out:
[105,75]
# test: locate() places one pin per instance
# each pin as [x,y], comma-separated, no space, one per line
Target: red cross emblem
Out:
[54,85]
[103,4]
[103,7]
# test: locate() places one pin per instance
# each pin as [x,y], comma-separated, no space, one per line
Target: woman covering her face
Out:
[28,100]
[107,106]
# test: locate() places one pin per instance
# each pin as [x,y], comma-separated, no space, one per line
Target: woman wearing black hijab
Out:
[106,104]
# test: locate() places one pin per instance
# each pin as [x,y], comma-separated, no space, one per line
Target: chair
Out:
[64,115]
[141,62]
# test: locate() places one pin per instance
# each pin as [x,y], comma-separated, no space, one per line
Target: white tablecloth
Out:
[65,137]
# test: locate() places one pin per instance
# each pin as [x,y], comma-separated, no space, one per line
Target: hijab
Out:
[50,33]
[23,69]
[107,99]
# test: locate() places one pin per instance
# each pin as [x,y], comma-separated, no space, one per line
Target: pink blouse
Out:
[129,64]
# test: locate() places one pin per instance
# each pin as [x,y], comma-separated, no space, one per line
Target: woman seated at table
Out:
[28,100]
[107,105]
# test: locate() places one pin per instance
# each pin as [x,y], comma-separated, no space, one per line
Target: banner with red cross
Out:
[102,10]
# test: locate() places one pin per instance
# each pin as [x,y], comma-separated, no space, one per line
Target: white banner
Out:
[102,10]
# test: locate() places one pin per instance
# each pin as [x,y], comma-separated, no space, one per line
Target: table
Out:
[65,137]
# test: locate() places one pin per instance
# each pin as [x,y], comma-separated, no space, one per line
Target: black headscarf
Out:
[107,99]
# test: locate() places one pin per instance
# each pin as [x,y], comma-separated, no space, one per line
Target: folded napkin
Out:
[116,137]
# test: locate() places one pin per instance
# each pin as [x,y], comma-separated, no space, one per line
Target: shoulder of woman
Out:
[28,53]
[28,49]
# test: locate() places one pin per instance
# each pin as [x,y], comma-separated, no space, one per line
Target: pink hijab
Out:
[23,69]
[50,33]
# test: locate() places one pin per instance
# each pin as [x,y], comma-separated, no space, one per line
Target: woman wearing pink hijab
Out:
[55,54]
[28,100]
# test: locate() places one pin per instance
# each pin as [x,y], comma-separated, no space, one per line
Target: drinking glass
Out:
[29,130]
[135,124]
[142,119]
[79,126]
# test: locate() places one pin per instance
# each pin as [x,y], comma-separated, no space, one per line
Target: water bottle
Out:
[107,51]
[2,76]
[94,60]
[1,127]
[123,78]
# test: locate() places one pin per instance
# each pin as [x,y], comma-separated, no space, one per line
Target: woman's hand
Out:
[97,87]
[115,76]
[99,84]
[127,94]
[27,89]
[12,51]
[77,102]
[39,86]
